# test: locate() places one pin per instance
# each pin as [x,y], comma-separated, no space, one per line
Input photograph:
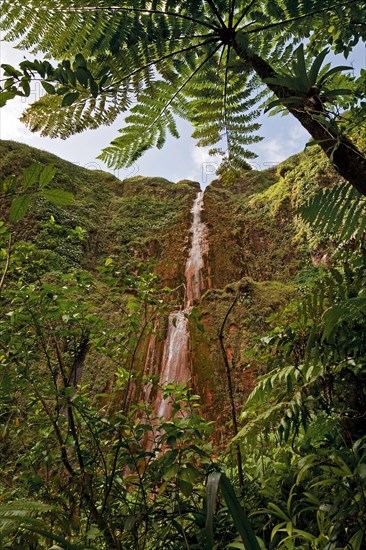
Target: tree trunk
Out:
[348,160]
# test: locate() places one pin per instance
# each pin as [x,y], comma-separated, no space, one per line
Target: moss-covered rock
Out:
[258,252]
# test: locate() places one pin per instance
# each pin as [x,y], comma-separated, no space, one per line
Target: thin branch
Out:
[75,435]
[7,262]
[84,416]
[64,457]
[245,12]
[231,391]
[216,12]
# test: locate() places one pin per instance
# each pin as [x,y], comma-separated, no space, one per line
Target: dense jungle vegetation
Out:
[88,264]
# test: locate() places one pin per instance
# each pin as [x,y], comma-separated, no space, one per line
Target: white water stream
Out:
[176,365]
[199,248]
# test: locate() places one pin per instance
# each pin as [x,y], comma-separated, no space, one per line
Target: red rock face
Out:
[176,363]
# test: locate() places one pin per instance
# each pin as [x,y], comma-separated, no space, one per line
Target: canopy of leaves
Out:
[173,59]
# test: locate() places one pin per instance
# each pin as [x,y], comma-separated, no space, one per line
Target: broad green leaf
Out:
[332,317]
[50,89]
[238,514]
[82,76]
[26,87]
[185,487]
[31,174]
[5,96]
[18,208]
[334,70]
[240,519]
[212,486]
[301,534]
[301,67]
[356,540]
[69,99]
[71,75]
[80,60]
[277,510]
[171,472]
[337,92]
[314,69]
[273,104]
[190,474]
[47,175]
[9,70]
[59,197]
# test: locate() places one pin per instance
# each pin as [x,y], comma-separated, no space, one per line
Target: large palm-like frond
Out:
[339,212]
[141,43]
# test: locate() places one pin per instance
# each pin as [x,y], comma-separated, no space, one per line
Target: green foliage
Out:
[308,408]
[338,212]
[35,180]
[92,461]
[101,471]
[240,519]
[311,85]
[206,62]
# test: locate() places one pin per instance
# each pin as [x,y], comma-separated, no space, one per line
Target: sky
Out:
[179,159]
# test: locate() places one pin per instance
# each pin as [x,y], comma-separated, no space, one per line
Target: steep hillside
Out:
[136,220]
[253,225]
[116,233]
[110,306]
[258,252]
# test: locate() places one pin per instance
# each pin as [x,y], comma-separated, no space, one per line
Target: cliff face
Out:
[256,252]
[140,220]
[259,253]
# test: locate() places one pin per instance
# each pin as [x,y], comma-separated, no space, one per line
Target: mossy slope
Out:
[259,252]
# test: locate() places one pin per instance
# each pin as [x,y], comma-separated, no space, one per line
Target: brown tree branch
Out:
[231,391]
[7,262]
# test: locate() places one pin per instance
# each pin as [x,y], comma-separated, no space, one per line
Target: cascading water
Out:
[176,365]
[199,249]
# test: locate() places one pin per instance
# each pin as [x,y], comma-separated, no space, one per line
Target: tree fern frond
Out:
[140,42]
[145,126]
[224,112]
[48,117]
[339,212]
[350,313]
[96,28]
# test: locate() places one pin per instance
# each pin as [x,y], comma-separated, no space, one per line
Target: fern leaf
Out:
[339,212]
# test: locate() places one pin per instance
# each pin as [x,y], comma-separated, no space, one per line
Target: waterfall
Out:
[199,249]
[176,365]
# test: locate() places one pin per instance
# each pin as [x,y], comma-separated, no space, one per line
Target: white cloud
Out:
[204,165]
[272,150]
[10,125]
[277,149]
[298,133]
